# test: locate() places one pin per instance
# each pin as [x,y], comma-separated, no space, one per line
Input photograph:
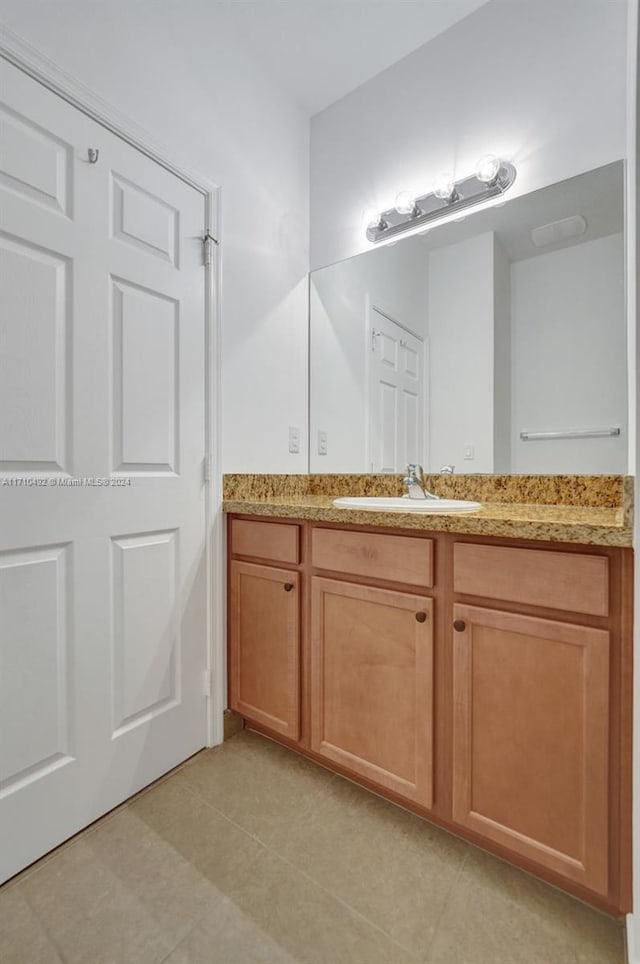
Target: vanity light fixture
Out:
[492,178]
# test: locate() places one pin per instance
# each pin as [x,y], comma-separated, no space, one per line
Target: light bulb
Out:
[405,203]
[488,168]
[444,187]
[370,217]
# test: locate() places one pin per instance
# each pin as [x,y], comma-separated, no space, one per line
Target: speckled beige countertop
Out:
[589,510]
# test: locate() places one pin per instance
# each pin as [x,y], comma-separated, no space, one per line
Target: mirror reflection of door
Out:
[397,393]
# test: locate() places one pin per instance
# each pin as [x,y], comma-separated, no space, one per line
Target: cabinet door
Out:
[531,734]
[264,646]
[371,684]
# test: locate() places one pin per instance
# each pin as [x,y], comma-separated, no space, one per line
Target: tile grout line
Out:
[454,883]
[193,792]
[88,832]
[42,925]
[307,876]
[197,919]
[58,949]
[95,825]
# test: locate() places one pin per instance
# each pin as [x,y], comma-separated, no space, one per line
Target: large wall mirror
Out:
[496,343]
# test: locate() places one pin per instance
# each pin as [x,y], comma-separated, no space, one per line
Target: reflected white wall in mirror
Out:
[444,347]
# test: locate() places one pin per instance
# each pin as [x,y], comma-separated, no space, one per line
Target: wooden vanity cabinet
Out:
[483,683]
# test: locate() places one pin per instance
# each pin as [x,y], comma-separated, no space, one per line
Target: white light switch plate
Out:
[322,443]
[294,439]
[469,452]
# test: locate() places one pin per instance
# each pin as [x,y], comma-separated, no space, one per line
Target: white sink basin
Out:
[404,504]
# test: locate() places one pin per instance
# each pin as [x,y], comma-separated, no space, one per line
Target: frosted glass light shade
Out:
[370,217]
[487,168]
[405,203]
[444,187]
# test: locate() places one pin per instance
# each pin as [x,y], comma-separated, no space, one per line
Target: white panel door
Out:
[102,442]
[396,396]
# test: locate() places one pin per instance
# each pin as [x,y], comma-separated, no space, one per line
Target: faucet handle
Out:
[414,470]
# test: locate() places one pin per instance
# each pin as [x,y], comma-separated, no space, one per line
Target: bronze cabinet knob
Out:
[459,625]
[288,586]
[421,617]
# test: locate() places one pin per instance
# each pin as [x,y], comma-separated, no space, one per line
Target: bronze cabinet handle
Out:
[459,625]
[288,586]
[421,617]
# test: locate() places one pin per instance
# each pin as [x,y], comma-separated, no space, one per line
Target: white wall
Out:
[568,346]
[461,347]
[198,93]
[393,279]
[540,81]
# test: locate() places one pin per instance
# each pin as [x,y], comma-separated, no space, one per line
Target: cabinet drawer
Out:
[394,558]
[556,580]
[266,540]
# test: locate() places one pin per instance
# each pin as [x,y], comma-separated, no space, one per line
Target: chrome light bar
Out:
[429,208]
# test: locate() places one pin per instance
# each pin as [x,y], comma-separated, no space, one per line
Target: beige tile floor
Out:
[252,855]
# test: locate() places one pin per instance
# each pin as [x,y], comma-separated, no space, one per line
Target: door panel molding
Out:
[38,641]
[47,183]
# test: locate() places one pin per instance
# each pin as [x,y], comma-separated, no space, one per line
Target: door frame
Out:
[370,307]
[32,62]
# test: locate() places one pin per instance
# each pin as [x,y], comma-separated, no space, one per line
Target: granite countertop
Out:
[603,524]
[588,525]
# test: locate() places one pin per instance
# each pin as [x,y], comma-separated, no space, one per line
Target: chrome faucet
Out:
[415,485]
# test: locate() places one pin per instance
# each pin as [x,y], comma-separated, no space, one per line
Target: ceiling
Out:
[320,50]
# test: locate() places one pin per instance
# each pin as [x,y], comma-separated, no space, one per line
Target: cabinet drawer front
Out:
[531,738]
[266,540]
[394,558]
[537,577]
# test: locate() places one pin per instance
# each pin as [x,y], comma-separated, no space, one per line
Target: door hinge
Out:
[207,683]
[208,243]
[374,335]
